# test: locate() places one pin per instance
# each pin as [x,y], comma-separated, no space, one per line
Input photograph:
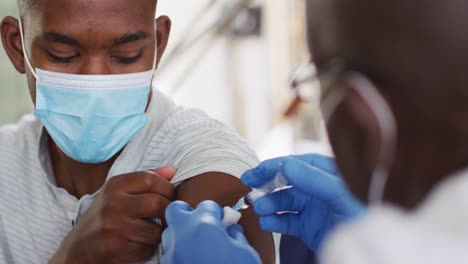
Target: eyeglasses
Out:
[304,82]
[309,83]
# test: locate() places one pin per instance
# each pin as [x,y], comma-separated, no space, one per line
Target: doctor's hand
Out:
[317,201]
[198,236]
[114,229]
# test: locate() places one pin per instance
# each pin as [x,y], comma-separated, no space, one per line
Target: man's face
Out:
[93,37]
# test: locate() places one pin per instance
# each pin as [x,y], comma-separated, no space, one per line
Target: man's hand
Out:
[116,228]
[318,199]
[198,236]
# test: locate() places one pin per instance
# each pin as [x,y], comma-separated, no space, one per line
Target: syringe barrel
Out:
[277,182]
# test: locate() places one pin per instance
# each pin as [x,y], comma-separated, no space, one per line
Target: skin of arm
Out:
[226,190]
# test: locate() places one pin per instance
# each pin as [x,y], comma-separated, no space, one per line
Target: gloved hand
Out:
[318,198]
[198,236]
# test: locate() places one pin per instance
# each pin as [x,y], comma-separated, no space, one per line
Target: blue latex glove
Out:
[198,236]
[318,195]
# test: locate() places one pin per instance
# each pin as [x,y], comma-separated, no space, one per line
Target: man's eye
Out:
[63,59]
[126,60]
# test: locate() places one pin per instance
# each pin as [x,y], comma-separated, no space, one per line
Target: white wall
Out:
[206,86]
[240,81]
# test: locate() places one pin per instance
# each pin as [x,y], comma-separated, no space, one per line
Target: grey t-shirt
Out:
[36,215]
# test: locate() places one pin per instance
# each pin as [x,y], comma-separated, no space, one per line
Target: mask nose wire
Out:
[23,44]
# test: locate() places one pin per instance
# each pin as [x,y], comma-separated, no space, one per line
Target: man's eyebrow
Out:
[130,37]
[60,38]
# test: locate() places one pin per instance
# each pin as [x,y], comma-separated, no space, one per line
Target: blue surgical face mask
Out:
[91,117]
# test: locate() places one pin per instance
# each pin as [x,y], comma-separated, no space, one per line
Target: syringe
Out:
[277,183]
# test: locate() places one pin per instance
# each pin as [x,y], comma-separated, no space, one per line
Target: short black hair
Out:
[25,6]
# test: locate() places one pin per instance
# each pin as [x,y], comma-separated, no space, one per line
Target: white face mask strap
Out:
[331,102]
[23,44]
[155,60]
[388,130]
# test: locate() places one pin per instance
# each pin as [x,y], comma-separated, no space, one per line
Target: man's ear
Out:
[163,30]
[11,39]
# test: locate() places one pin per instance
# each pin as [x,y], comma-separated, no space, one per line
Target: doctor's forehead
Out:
[332,23]
[368,26]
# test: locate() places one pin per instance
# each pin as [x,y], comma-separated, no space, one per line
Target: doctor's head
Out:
[89,37]
[400,60]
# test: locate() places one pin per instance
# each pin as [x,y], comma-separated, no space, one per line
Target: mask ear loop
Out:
[331,102]
[23,44]
[155,60]
[388,133]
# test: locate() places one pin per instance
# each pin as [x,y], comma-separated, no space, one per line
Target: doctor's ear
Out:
[355,137]
[163,30]
[365,121]
[11,39]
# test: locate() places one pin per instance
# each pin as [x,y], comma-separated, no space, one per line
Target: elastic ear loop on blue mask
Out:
[331,102]
[155,59]
[388,134]
[33,71]
[387,127]
[23,44]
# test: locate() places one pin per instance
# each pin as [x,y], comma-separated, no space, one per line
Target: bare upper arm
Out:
[226,190]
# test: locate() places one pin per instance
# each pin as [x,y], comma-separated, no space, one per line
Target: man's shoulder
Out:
[187,139]
[190,117]
[194,143]
[14,137]
[170,119]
